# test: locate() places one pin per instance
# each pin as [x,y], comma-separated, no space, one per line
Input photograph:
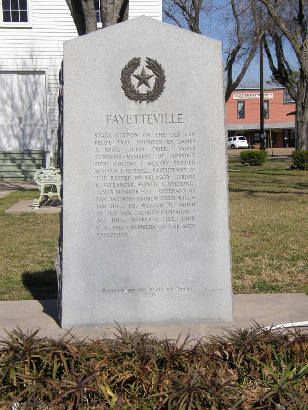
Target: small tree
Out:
[289,28]
[247,34]
[84,15]
[243,37]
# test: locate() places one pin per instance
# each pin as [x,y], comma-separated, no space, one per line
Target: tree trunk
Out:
[301,141]
[113,11]
[89,15]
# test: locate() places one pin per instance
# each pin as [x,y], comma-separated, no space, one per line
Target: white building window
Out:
[15,12]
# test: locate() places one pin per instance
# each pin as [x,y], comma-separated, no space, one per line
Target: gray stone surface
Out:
[145,209]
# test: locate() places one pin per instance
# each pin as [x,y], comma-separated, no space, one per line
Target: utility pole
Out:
[262,135]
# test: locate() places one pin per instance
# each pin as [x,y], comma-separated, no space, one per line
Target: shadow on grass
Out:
[15,186]
[263,191]
[47,202]
[275,174]
[43,287]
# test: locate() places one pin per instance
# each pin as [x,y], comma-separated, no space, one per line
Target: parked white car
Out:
[238,141]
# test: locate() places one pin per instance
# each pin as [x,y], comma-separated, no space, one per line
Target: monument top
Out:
[139,24]
[145,38]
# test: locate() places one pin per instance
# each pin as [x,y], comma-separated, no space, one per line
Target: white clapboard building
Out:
[32,33]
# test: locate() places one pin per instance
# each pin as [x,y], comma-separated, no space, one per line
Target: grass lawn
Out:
[269,235]
[28,250]
[269,227]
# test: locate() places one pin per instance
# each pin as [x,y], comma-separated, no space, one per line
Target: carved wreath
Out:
[130,90]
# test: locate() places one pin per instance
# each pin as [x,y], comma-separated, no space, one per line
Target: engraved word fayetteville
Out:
[147,118]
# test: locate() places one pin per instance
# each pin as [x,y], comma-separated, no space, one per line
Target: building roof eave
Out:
[256,126]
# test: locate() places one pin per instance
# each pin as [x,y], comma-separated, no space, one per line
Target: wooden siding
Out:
[150,8]
[20,165]
[40,48]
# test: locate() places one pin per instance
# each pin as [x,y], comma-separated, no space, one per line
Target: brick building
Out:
[243,116]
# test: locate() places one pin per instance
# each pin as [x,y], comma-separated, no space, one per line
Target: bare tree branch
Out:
[173,18]
[283,74]
[78,16]
[289,21]
[188,12]
[233,84]
[298,39]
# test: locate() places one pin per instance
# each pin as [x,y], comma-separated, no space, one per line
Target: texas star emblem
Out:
[131,91]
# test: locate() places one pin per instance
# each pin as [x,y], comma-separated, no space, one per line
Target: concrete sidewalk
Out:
[25,206]
[265,309]
[7,187]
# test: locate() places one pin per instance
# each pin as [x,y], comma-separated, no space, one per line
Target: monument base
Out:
[200,306]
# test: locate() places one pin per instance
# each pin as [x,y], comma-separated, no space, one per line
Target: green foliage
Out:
[253,368]
[253,157]
[300,159]
[263,286]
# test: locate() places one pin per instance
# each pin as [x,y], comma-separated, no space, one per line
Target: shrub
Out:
[300,159]
[253,157]
[244,369]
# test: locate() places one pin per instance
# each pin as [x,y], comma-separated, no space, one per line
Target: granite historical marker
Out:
[145,208]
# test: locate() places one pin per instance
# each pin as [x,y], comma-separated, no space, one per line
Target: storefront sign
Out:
[250,96]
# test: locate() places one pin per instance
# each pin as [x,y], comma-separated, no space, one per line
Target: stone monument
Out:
[145,236]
